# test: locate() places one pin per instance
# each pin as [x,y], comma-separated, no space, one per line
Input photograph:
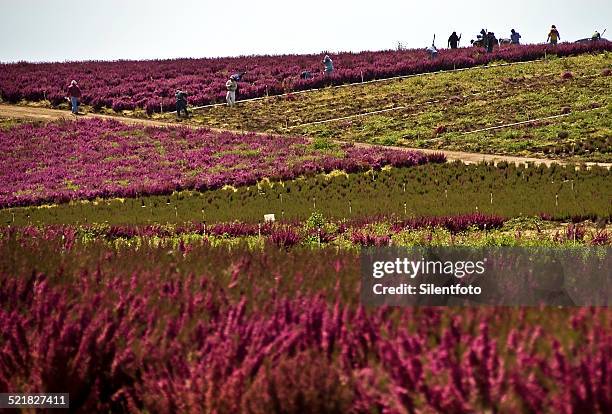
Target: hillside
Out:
[448,110]
[149,85]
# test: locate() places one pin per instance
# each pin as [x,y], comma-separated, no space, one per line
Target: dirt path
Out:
[46,114]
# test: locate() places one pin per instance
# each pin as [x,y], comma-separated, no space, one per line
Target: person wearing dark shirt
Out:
[491,42]
[74,92]
[453,40]
[515,37]
[181,103]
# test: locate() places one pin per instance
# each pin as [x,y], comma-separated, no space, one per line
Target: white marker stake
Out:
[491,198]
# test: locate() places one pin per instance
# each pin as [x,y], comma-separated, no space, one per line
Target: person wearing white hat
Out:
[74,92]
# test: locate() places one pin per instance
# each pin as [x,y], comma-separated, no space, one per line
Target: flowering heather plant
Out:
[368,239]
[453,223]
[285,237]
[150,85]
[58,162]
[219,330]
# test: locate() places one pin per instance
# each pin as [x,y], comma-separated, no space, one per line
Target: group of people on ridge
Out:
[485,39]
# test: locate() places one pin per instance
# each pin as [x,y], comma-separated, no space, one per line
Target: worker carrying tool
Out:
[181,103]
[432,50]
[453,40]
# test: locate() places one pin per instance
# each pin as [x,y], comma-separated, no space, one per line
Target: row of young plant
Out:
[464,230]
[559,192]
[152,329]
[429,93]
[150,85]
[581,136]
[444,125]
[63,161]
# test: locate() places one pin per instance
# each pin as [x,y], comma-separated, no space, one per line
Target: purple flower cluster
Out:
[143,334]
[58,162]
[453,223]
[150,85]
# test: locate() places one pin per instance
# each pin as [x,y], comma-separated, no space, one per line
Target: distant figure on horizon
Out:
[553,35]
[433,51]
[74,92]
[329,65]
[483,37]
[596,36]
[181,103]
[231,85]
[453,40]
[491,41]
[515,37]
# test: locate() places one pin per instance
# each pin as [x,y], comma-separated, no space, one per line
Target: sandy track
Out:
[46,114]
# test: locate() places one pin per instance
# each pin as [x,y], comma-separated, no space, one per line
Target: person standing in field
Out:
[491,42]
[553,35]
[515,37]
[181,103]
[329,65]
[453,40]
[231,85]
[74,92]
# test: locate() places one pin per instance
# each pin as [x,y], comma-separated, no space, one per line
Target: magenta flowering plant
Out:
[58,162]
[203,329]
[150,85]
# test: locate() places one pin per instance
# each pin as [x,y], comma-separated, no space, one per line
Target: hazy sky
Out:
[57,30]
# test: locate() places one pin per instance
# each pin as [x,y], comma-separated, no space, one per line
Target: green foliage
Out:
[315,221]
[428,190]
[438,109]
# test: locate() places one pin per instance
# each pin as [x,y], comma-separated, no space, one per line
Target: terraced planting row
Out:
[428,190]
[577,136]
[62,161]
[176,328]
[435,111]
[146,87]
[476,230]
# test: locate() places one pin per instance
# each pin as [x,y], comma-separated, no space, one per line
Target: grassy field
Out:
[428,190]
[437,110]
